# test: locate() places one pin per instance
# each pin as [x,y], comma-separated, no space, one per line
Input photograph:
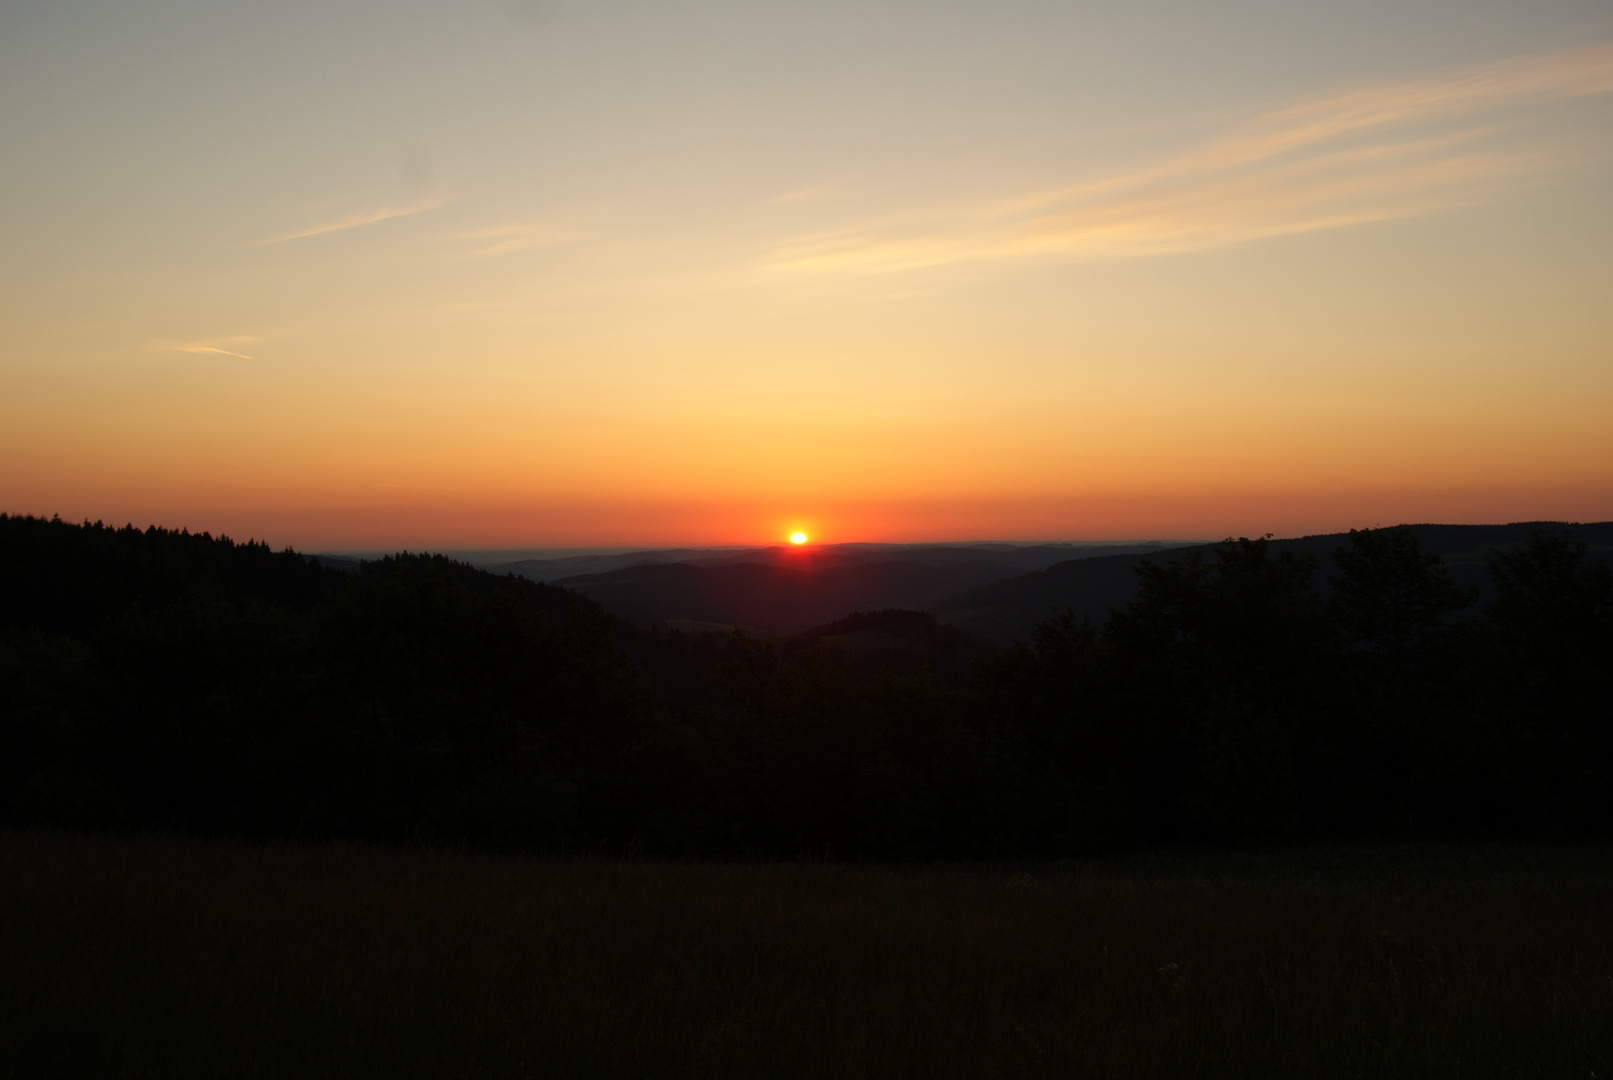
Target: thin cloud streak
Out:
[507,239]
[216,352]
[210,347]
[1345,159]
[360,218]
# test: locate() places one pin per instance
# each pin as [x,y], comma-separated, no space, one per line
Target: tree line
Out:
[154,679]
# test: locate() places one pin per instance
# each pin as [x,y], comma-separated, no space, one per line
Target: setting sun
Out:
[798,538]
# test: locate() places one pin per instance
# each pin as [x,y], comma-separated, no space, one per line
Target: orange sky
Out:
[377,277]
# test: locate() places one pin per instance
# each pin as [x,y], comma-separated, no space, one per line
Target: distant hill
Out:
[569,566]
[902,641]
[784,590]
[779,599]
[1004,610]
[1013,558]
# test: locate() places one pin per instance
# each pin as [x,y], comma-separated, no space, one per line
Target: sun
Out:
[798,538]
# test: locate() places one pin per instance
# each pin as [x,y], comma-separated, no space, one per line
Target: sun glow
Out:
[798,538]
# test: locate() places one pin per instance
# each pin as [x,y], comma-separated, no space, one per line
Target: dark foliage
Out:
[160,680]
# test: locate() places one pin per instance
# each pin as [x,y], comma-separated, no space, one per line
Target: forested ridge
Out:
[152,679]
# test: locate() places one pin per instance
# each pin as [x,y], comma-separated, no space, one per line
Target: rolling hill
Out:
[995,591]
[781,590]
[1003,610]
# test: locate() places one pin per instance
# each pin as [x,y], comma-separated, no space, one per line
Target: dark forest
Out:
[1246,695]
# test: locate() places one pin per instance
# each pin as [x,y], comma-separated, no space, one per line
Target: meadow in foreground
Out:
[174,957]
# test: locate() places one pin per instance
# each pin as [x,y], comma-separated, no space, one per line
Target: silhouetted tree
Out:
[1227,665]
[1549,672]
[1402,749]
[1390,596]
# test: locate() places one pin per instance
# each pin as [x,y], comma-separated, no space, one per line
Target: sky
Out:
[528,273]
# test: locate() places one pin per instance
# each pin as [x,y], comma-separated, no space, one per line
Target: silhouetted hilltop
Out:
[903,641]
[551,599]
[160,678]
[66,578]
[891,624]
[1089,588]
[69,578]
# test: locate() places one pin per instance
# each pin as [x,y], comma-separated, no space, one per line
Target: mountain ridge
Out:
[785,590]
[998,592]
[1004,610]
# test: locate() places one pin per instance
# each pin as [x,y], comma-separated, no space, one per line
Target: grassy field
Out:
[172,957]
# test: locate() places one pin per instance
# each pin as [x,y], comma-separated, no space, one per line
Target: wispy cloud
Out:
[520,236]
[215,351]
[211,347]
[359,218]
[1371,154]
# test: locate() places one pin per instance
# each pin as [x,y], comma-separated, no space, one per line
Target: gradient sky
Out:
[514,273]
